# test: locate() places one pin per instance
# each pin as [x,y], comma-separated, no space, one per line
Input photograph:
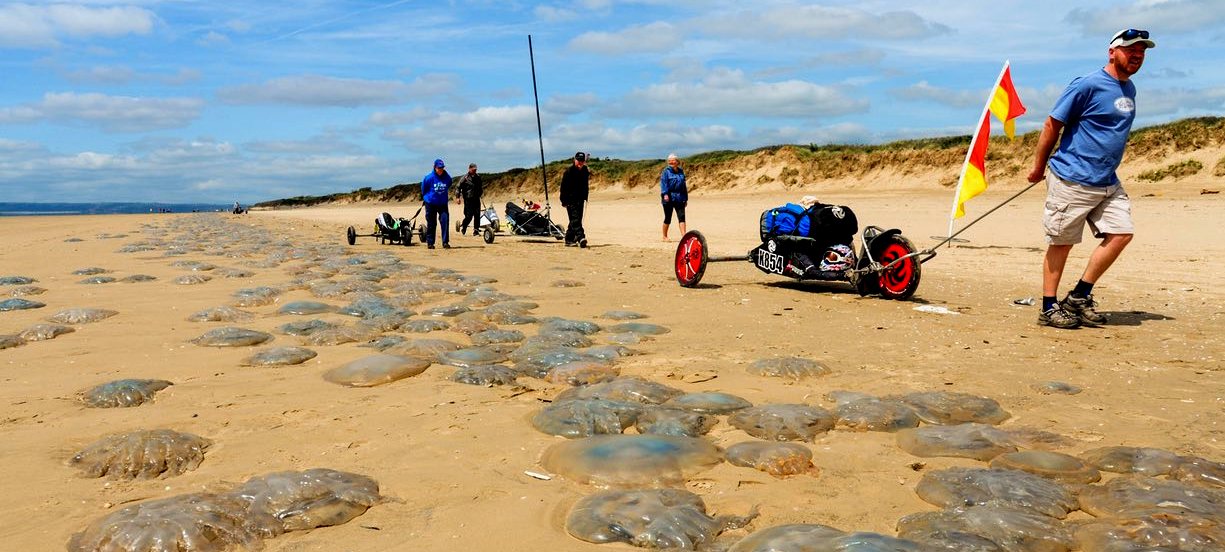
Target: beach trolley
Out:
[531,219]
[389,229]
[817,243]
[489,221]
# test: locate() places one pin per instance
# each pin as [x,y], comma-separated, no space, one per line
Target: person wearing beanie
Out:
[470,190]
[435,192]
[1091,122]
[574,189]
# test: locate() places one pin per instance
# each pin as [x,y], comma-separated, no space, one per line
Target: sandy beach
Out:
[452,458]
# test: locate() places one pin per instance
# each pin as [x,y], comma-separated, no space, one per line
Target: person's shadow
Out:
[1132,318]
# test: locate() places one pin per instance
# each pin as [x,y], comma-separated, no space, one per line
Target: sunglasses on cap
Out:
[1131,34]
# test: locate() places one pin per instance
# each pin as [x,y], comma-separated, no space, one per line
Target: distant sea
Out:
[30,209]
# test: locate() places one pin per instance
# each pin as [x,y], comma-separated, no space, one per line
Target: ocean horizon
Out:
[14,209]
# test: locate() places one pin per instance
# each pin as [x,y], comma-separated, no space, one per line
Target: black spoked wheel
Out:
[902,279]
[351,235]
[691,259]
[487,235]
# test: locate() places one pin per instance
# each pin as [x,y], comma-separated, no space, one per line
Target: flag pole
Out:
[973,142]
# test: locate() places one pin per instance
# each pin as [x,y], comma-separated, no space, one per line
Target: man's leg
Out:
[1052,268]
[1104,255]
[572,225]
[444,220]
[431,221]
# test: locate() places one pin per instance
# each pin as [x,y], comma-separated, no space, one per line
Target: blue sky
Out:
[217,101]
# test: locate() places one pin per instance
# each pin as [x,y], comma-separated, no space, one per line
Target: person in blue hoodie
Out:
[435,191]
[673,193]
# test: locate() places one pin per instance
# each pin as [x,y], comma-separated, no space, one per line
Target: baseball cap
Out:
[438,164]
[580,156]
[471,165]
[1127,37]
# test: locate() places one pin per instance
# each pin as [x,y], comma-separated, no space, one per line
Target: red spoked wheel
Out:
[900,281]
[691,259]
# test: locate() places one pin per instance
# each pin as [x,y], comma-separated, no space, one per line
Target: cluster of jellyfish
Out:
[631,441]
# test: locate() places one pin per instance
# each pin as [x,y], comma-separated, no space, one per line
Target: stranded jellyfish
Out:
[622,315]
[1051,465]
[142,455]
[977,441]
[640,328]
[18,303]
[1153,531]
[376,370]
[279,356]
[1141,460]
[631,460]
[7,341]
[425,325]
[709,402]
[495,335]
[221,314]
[991,487]
[81,316]
[586,417]
[230,336]
[1126,495]
[783,422]
[822,538]
[986,529]
[123,393]
[949,408]
[472,356]
[777,459]
[555,324]
[674,421]
[582,372]
[626,389]
[493,374]
[43,332]
[1055,388]
[794,368]
[305,308]
[654,518]
[873,414]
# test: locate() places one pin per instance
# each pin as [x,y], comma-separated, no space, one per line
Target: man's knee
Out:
[1118,241]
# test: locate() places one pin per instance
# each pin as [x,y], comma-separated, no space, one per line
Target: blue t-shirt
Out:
[1097,111]
[434,188]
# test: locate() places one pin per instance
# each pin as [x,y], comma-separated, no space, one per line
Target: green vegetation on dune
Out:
[815,163]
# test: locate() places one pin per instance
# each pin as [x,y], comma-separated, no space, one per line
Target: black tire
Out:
[488,235]
[691,258]
[421,234]
[351,235]
[901,281]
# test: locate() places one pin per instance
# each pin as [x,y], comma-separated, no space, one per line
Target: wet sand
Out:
[452,457]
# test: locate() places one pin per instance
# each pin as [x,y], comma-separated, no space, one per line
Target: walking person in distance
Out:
[470,191]
[674,193]
[435,192]
[574,190]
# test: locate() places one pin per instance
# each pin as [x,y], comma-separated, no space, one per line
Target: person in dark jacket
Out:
[435,192]
[470,190]
[573,197]
[673,193]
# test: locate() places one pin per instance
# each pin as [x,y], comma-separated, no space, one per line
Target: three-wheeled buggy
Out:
[532,220]
[489,223]
[816,243]
[388,229]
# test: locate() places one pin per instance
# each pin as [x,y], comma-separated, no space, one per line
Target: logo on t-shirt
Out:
[1125,104]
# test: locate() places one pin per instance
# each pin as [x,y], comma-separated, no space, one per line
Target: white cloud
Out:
[654,37]
[1164,16]
[39,26]
[728,92]
[922,90]
[819,22]
[122,74]
[553,14]
[110,113]
[316,90]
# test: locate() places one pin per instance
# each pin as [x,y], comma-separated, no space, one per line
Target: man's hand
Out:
[1036,175]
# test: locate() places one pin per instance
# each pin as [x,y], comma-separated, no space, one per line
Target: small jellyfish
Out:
[872,414]
[622,315]
[794,368]
[554,324]
[16,280]
[511,318]
[279,356]
[1051,465]
[1133,493]
[1055,388]
[9,341]
[708,402]
[1141,460]
[1008,488]
[428,349]
[255,297]
[81,316]
[493,374]
[43,332]
[27,290]
[376,370]
[471,323]
[624,389]
[308,499]
[446,310]
[305,327]
[221,314]
[566,283]
[1194,469]
[822,538]
[145,454]
[554,338]
[631,460]
[197,522]
[783,422]
[193,279]
[425,325]
[18,303]
[338,335]
[1152,531]
[654,518]
[194,266]
[137,278]
[582,372]
[610,352]
[627,338]
[471,356]
[986,529]
[305,308]
[97,280]
[777,459]
[674,421]
[123,393]
[950,408]
[640,328]
[90,271]
[977,441]
[234,273]
[487,337]
[385,342]
[230,336]
[538,364]
[577,418]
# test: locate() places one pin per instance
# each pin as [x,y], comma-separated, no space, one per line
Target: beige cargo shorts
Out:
[1070,205]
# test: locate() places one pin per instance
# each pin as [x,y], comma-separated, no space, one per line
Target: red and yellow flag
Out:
[1006,105]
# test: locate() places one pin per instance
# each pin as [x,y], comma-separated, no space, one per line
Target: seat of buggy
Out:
[387,223]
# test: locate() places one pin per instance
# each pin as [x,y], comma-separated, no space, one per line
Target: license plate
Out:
[769,262]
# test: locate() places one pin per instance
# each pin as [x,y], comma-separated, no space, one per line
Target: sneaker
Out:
[1056,317]
[446,246]
[583,243]
[431,246]
[1082,308]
